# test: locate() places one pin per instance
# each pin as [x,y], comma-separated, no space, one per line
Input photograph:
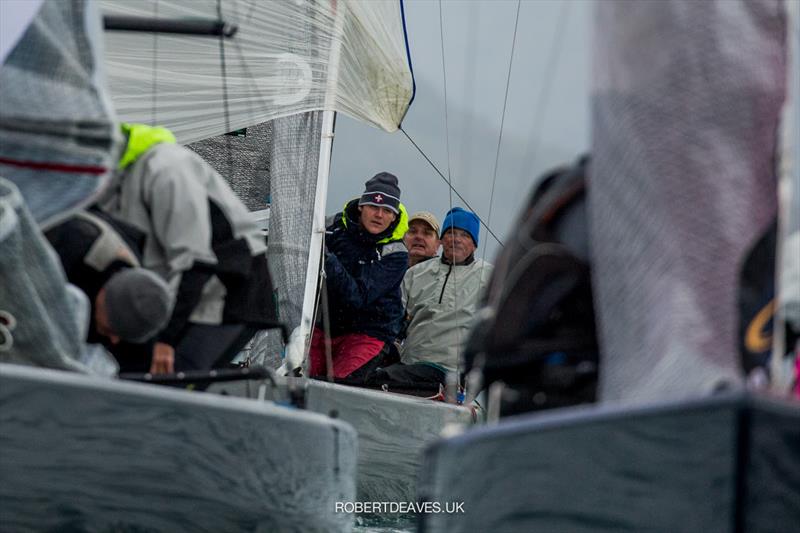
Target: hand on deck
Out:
[163,359]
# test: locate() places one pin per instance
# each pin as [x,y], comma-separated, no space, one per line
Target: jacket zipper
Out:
[441,294]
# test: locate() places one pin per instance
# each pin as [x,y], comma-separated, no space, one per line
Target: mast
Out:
[323,172]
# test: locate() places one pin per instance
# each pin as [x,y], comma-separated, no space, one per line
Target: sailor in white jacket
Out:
[441,298]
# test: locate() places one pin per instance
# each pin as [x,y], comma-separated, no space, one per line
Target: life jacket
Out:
[536,330]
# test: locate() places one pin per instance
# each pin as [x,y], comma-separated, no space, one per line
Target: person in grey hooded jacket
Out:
[199,237]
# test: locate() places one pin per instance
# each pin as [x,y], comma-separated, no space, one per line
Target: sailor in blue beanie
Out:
[441,301]
[462,219]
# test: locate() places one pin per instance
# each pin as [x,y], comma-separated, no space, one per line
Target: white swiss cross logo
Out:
[379,198]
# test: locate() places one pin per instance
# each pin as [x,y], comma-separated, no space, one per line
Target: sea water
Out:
[385,524]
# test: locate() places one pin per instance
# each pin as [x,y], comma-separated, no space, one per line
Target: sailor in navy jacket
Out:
[364,273]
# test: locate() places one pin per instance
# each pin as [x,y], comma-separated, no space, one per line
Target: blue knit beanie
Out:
[462,219]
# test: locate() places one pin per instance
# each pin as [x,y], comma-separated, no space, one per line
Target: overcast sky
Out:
[546,120]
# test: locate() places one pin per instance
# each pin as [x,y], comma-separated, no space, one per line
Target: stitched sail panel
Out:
[287,57]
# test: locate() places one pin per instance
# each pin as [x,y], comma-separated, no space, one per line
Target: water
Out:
[385,524]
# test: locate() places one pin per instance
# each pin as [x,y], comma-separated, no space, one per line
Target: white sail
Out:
[277,64]
[788,275]
[682,185]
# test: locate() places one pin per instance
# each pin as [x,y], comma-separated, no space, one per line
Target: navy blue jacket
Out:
[364,275]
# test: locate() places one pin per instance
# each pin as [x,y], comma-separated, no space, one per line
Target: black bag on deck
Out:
[536,331]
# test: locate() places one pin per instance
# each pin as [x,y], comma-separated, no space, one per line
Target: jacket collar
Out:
[468,261]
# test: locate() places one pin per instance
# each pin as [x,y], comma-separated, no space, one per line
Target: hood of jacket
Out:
[140,139]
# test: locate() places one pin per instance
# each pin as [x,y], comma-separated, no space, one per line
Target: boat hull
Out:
[727,463]
[87,454]
[393,429]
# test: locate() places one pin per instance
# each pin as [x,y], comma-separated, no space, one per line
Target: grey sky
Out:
[546,120]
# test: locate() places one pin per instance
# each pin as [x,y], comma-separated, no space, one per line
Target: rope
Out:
[450,180]
[439,172]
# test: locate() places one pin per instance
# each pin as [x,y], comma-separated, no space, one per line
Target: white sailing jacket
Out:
[441,301]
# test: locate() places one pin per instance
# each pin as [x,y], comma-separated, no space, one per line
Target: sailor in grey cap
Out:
[422,237]
[133,306]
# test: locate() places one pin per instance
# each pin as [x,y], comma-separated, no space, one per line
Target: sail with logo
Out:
[286,160]
[288,68]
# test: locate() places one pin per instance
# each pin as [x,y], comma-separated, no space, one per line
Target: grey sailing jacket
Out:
[200,238]
[441,302]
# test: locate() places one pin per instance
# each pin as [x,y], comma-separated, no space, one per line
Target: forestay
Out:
[277,64]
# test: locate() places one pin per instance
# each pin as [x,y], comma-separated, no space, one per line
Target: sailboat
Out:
[295,145]
[83,451]
[683,439]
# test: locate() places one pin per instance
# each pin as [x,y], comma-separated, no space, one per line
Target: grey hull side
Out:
[722,464]
[393,430]
[85,454]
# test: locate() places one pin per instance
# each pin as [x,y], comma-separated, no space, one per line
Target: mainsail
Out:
[277,64]
[276,161]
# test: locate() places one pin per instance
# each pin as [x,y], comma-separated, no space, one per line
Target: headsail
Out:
[295,150]
[276,65]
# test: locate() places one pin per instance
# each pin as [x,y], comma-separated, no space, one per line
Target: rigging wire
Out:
[502,123]
[449,180]
[453,189]
[446,122]
[544,94]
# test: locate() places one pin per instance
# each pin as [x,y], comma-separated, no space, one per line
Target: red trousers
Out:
[349,353]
